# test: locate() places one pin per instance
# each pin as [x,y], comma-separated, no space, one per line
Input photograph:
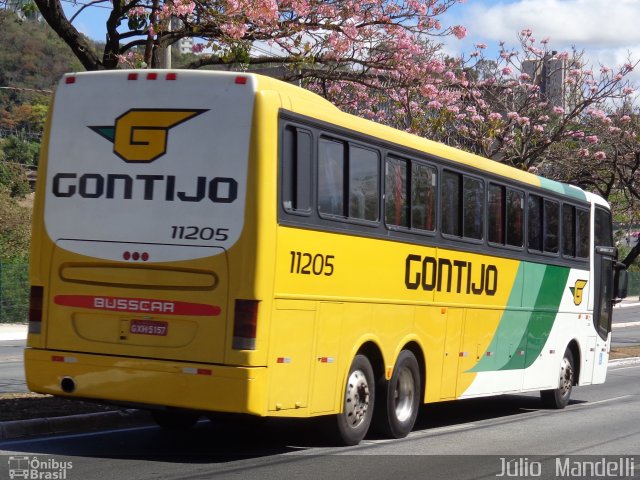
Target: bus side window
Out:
[602,229]
[331,163]
[395,192]
[473,207]
[534,223]
[364,190]
[582,234]
[450,201]
[423,197]
[551,219]
[568,230]
[515,218]
[496,207]
[296,170]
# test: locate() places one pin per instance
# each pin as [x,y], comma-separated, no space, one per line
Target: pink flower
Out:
[583,152]
[459,31]
[558,110]
[625,119]
[507,71]
[512,115]
[592,139]
[481,46]
[495,116]
[600,155]
[523,121]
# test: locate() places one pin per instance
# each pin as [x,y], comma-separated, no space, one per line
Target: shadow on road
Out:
[225,441]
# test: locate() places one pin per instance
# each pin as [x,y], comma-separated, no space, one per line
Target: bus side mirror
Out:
[620,281]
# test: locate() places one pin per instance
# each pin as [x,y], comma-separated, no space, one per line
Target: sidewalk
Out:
[13,331]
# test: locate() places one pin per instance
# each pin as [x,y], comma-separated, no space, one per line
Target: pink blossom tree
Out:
[512,109]
[339,38]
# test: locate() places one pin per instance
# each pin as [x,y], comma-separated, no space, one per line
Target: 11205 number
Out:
[304,263]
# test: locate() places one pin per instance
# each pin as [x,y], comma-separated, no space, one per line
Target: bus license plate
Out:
[149,327]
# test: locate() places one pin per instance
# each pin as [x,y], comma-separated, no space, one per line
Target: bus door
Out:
[604,258]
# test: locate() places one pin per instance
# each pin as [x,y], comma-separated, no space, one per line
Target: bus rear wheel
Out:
[559,397]
[399,398]
[359,398]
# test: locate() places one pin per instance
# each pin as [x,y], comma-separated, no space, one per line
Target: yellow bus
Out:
[217,242]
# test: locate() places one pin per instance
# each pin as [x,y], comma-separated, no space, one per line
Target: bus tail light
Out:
[36,295]
[245,325]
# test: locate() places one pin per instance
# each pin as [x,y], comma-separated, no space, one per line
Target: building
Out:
[550,74]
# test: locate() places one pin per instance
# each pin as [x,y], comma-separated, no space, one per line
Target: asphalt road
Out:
[601,420]
[11,367]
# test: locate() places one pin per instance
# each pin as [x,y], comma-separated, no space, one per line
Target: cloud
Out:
[608,31]
[585,23]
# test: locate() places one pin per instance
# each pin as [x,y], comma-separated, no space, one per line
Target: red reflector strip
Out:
[152,76]
[70,80]
[197,371]
[326,359]
[552,352]
[132,76]
[172,76]
[489,354]
[521,352]
[463,354]
[241,80]
[283,360]
[63,359]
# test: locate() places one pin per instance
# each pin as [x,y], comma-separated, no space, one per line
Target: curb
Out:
[624,361]
[18,429]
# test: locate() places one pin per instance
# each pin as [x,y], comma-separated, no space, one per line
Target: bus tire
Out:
[359,399]
[558,398]
[175,420]
[399,398]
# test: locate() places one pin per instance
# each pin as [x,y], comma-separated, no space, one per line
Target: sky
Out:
[607,30]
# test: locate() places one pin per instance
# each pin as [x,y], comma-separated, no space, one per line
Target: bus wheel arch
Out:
[358,402]
[399,398]
[577,360]
[559,397]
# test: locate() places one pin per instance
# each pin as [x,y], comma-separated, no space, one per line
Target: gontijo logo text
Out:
[140,135]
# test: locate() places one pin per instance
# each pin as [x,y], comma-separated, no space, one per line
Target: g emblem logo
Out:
[140,135]
[577,291]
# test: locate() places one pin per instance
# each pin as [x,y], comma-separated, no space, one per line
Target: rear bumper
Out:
[148,382]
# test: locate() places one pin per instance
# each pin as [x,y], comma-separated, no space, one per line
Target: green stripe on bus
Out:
[528,329]
[562,188]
